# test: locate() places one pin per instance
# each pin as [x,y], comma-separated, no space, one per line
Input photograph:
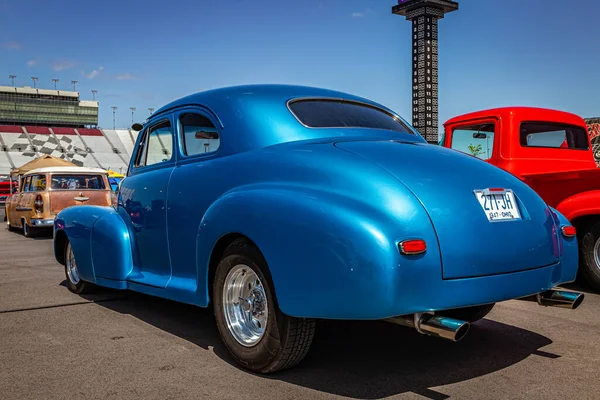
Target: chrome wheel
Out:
[71,266]
[597,253]
[245,305]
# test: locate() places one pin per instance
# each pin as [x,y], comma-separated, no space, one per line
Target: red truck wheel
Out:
[590,256]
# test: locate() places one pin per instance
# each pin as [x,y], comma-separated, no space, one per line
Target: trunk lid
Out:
[444,180]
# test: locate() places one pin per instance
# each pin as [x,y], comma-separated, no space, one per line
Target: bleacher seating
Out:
[108,149]
[63,131]
[38,130]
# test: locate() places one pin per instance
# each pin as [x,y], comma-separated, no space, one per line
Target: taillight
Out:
[568,231]
[414,246]
[38,204]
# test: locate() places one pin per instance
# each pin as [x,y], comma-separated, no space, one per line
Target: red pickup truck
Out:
[549,150]
[7,188]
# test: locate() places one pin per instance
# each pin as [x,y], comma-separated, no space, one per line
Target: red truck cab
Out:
[551,151]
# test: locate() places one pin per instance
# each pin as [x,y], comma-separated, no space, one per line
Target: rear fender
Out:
[328,255]
[570,251]
[581,204]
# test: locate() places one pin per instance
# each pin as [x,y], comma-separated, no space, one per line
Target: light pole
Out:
[132,110]
[12,77]
[94,94]
[74,82]
[151,110]
[54,80]
[34,79]
[113,108]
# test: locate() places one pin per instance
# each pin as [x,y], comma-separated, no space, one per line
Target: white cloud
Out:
[62,65]
[125,76]
[357,15]
[94,73]
[32,63]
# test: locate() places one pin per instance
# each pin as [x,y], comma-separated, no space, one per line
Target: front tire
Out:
[28,231]
[256,333]
[590,256]
[74,282]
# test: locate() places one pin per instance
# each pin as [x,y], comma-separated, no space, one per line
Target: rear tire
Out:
[589,256]
[74,282]
[469,314]
[256,333]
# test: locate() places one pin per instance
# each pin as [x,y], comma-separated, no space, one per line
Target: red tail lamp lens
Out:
[415,246]
[38,204]
[568,231]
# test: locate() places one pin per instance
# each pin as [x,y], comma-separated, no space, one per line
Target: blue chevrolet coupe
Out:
[277,205]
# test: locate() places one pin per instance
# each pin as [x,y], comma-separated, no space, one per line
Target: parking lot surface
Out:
[116,345]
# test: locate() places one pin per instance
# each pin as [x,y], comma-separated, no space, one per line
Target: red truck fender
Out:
[580,205]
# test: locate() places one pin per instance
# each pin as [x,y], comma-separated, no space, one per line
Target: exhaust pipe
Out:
[558,298]
[434,325]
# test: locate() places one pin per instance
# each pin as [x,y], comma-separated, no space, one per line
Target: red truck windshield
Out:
[542,134]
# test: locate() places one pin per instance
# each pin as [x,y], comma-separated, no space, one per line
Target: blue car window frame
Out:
[180,133]
[142,146]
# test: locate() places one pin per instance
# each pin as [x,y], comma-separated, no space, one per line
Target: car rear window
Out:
[559,136]
[77,181]
[323,113]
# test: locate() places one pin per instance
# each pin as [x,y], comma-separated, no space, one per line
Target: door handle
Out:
[81,198]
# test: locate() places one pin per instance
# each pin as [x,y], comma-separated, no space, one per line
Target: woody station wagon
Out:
[43,192]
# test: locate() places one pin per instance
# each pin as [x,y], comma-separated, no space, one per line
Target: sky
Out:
[139,54]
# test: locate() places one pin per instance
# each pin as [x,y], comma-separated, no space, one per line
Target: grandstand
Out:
[34,122]
[103,148]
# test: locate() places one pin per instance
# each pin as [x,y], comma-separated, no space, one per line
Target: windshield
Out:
[544,134]
[77,181]
[323,113]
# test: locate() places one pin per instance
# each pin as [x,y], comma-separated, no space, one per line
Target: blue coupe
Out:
[278,205]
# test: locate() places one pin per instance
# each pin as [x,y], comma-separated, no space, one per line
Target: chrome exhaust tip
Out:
[560,298]
[434,325]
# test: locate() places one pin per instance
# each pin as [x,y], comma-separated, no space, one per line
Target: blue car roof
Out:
[257,116]
[261,92]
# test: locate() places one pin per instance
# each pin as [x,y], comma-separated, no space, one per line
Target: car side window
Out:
[199,134]
[38,183]
[534,134]
[157,145]
[476,140]
[26,184]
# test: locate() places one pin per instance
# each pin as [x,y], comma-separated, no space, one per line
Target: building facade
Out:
[44,107]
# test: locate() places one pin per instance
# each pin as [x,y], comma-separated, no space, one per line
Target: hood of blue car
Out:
[452,187]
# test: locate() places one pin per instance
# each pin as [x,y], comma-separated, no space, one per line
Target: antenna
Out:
[54,80]
[74,82]
[34,79]
[12,77]
[132,110]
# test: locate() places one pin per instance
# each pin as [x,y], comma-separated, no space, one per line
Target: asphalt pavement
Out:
[121,345]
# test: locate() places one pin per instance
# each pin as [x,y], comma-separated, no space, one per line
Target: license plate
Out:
[498,204]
